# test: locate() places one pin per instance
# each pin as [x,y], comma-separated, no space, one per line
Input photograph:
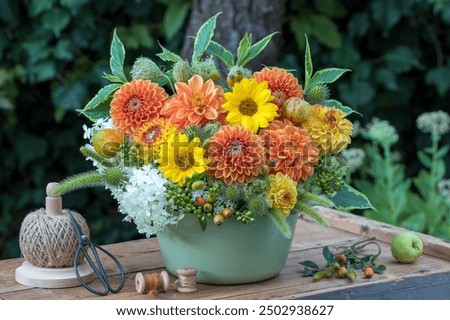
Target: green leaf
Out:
[438,77]
[103,94]
[308,272]
[331,8]
[424,159]
[243,48]
[328,255]
[101,111]
[174,17]
[36,7]
[338,105]
[387,78]
[309,264]
[167,55]
[203,37]
[349,198]
[308,63]
[442,152]
[356,93]
[358,25]
[55,20]
[300,28]
[279,220]
[111,78]
[257,48]
[136,36]
[69,97]
[221,53]
[328,75]
[388,13]
[402,59]
[117,59]
[325,31]
[379,269]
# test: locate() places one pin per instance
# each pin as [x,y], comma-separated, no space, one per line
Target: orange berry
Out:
[200,201]
[368,272]
[341,258]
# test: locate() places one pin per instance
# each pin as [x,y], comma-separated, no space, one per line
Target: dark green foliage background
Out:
[53,53]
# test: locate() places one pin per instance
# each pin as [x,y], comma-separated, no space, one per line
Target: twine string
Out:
[50,241]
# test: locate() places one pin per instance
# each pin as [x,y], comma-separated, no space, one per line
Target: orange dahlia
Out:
[150,136]
[328,128]
[282,84]
[235,154]
[136,103]
[195,102]
[290,150]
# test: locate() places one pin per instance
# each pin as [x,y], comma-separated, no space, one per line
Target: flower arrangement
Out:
[176,139]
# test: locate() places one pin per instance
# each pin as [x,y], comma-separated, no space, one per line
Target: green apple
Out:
[406,247]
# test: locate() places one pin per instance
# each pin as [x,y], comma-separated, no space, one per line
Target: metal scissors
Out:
[97,266]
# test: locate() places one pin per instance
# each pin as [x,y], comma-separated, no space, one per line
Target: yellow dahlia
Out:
[249,105]
[150,136]
[328,128]
[136,103]
[180,158]
[282,84]
[195,102]
[282,193]
[235,154]
[290,150]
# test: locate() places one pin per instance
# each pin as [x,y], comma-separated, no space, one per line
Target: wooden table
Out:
[427,278]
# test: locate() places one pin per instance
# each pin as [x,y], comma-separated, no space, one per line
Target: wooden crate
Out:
[427,278]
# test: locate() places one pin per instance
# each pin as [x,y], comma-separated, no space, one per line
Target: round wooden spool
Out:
[42,277]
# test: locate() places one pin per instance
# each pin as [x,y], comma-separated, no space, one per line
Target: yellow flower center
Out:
[199,103]
[248,107]
[184,161]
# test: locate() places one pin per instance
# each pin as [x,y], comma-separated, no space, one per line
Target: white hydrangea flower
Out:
[142,199]
[436,122]
[98,125]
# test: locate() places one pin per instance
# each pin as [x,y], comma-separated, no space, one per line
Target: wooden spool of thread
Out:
[151,283]
[187,281]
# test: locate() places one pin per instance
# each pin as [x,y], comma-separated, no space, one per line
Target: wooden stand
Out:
[32,276]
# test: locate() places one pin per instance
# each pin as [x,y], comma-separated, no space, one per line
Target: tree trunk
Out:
[258,17]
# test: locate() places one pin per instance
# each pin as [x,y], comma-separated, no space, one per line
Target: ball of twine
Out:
[50,241]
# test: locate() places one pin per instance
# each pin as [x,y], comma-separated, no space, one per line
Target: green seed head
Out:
[114,176]
[145,68]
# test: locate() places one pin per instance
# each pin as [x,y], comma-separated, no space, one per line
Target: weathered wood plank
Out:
[431,273]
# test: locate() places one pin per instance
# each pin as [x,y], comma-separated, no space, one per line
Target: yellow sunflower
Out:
[249,105]
[180,158]
[282,193]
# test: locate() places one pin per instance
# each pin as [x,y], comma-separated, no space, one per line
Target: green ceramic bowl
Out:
[232,253]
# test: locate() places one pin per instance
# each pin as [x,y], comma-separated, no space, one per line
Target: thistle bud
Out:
[182,71]
[206,69]
[114,176]
[145,68]
[318,94]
